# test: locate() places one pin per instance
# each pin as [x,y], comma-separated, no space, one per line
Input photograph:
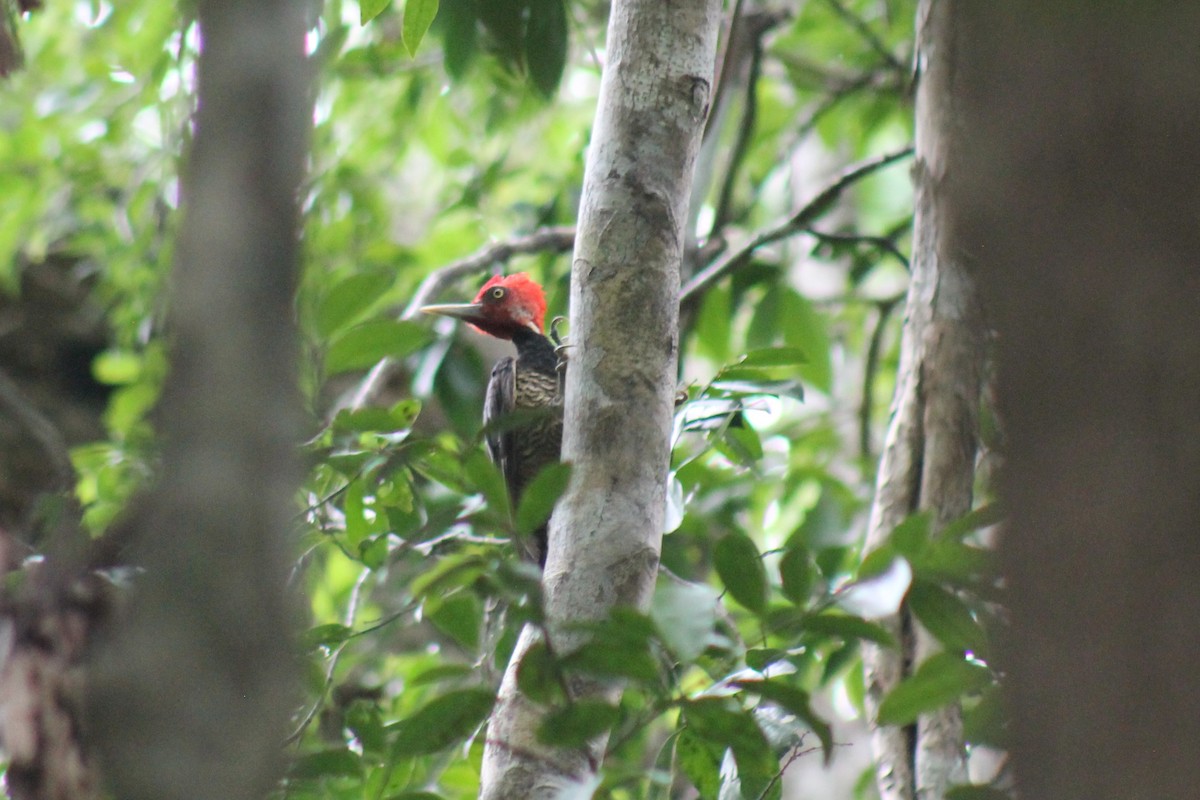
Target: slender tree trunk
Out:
[605,536]
[1082,194]
[929,457]
[191,699]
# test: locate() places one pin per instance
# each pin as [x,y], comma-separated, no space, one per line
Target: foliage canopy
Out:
[441,128]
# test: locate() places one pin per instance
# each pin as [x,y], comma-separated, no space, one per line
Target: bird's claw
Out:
[561,352]
[554,335]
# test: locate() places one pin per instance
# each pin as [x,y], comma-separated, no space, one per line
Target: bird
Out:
[528,387]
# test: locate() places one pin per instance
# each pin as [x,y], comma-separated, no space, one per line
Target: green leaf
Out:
[848,627]
[459,615]
[503,20]
[941,679]
[977,792]
[442,723]
[339,763]
[370,9]
[418,16]
[804,329]
[486,478]
[794,701]
[911,537]
[712,328]
[349,300]
[325,636]
[364,719]
[743,444]
[117,367]
[700,760]
[601,658]
[377,420]
[740,568]
[723,722]
[947,617]
[452,572]
[798,573]
[982,517]
[364,345]
[986,722]
[442,672]
[539,497]
[684,614]
[774,357]
[578,723]
[546,44]
[460,35]
[538,674]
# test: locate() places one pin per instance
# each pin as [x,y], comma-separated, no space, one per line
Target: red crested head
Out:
[505,304]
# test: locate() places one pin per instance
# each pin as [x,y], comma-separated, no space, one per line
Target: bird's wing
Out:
[497,404]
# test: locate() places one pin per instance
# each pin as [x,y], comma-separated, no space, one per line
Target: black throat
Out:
[535,352]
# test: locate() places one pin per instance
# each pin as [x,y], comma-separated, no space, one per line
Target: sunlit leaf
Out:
[794,701]
[418,16]
[349,300]
[700,761]
[370,9]
[363,345]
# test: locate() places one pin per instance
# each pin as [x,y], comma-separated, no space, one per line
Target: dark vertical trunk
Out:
[1083,195]
[192,699]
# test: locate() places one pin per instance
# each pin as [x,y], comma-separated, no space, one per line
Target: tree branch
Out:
[796,223]
[606,533]
[868,35]
[928,459]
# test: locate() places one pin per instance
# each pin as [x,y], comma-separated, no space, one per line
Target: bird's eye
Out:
[497,293]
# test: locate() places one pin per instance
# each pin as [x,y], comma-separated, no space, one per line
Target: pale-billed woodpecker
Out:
[527,387]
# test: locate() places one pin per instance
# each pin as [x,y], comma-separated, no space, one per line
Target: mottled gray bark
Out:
[1083,197]
[929,457]
[606,533]
[191,698]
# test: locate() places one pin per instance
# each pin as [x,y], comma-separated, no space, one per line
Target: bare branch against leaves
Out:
[796,223]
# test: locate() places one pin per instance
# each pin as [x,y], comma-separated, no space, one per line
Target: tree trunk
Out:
[192,697]
[605,536]
[1083,200]
[929,456]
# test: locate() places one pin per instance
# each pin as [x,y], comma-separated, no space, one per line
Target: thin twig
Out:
[868,35]
[870,370]
[747,124]
[796,223]
[886,244]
